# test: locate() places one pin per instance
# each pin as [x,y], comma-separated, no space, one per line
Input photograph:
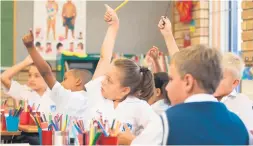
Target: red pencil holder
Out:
[110,140]
[47,137]
[31,121]
[3,122]
[24,118]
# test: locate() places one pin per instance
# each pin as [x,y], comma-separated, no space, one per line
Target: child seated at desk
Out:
[69,96]
[35,90]
[117,88]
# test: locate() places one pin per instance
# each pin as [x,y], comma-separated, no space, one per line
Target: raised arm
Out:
[163,62]
[107,47]
[7,75]
[153,58]
[39,62]
[165,28]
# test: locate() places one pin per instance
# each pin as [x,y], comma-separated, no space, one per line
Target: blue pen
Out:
[55,127]
[78,129]
[105,133]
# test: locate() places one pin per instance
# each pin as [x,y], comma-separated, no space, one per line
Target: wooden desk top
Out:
[8,133]
[28,128]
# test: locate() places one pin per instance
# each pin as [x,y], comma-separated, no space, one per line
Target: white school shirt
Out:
[160,106]
[242,106]
[68,102]
[132,111]
[23,92]
[153,134]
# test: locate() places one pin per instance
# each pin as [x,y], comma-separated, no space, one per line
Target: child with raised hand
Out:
[69,96]
[165,27]
[159,101]
[118,87]
[35,91]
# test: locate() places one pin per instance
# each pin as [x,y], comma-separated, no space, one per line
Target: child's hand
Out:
[152,55]
[110,16]
[165,26]
[28,60]
[125,138]
[28,40]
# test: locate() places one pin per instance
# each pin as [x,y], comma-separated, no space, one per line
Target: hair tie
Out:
[144,69]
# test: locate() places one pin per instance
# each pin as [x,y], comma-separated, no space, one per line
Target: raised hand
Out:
[28,40]
[165,26]
[111,16]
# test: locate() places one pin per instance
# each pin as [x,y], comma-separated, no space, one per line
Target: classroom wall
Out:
[24,21]
[247,43]
[201,17]
[138,26]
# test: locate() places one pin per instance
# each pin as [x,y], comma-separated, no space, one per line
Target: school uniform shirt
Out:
[240,105]
[160,106]
[68,102]
[154,135]
[23,92]
[132,111]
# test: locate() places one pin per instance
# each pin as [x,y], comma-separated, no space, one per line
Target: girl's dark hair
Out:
[139,79]
[161,81]
[59,45]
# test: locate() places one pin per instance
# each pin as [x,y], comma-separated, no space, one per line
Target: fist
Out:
[28,40]
[165,26]
[154,53]
[110,16]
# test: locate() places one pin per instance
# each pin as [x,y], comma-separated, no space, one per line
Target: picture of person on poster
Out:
[69,16]
[52,9]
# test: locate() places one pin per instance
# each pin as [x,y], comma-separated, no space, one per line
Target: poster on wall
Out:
[59,25]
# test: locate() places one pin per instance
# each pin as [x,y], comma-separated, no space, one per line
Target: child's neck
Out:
[153,100]
[116,103]
[41,91]
[81,88]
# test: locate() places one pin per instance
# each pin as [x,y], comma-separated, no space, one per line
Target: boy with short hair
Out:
[238,103]
[196,117]
[72,85]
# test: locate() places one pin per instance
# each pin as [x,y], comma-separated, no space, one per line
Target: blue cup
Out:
[12,123]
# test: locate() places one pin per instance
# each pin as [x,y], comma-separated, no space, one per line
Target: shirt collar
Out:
[231,95]
[201,98]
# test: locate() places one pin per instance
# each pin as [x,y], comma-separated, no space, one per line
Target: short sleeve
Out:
[152,134]
[18,91]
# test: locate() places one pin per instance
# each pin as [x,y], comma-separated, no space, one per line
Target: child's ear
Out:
[78,82]
[126,90]
[236,83]
[158,92]
[189,83]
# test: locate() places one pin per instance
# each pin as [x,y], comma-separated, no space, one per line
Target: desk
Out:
[28,128]
[7,133]
[8,136]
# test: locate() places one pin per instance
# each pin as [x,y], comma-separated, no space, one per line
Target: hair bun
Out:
[144,69]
